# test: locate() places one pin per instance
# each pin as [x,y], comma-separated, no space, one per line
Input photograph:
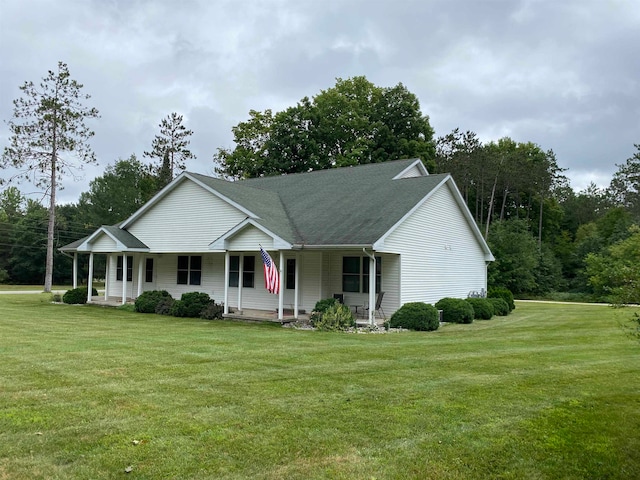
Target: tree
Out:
[516,256]
[172,141]
[615,271]
[114,196]
[625,185]
[355,122]
[49,139]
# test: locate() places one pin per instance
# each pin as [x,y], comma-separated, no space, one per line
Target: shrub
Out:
[56,298]
[190,304]
[212,311]
[78,295]
[500,307]
[321,307]
[337,317]
[164,306]
[504,293]
[455,310]
[482,308]
[147,302]
[416,316]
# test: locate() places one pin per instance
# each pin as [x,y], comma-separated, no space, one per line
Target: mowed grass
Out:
[552,391]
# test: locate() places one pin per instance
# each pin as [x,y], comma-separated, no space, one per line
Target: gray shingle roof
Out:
[343,206]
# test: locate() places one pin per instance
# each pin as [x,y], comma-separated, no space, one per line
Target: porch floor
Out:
[253,315]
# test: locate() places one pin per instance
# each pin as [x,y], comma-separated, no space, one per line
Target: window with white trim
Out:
[189,269]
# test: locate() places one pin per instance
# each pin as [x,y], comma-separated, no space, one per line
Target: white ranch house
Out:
[326,230]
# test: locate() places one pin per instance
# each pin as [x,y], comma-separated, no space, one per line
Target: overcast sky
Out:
[564,74]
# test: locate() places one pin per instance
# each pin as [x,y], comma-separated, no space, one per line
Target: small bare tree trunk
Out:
[48,275]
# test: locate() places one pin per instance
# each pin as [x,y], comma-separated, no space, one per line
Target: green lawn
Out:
[552,391]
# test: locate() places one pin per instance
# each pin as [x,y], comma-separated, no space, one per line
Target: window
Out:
[351,274]
[248,271]
[234,270]
[189,270]
[148,275]
[129,268]
[365,274]
[355,274]
[290,283]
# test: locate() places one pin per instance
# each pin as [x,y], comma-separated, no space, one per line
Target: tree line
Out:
[547,238]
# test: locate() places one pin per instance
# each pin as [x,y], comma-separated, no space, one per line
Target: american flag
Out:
[271,276]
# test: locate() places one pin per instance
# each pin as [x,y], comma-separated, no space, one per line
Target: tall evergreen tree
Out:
[172,141]
[49,139]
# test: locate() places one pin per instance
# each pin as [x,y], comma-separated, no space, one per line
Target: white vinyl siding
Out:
[103,243]
[249,239]
[187,220]
[412,172]
[440,256]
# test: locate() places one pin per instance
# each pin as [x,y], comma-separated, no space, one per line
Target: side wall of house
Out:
[439,254]
[188,219]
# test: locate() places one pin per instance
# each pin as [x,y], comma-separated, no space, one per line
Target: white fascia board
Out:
[221,197]
[120,247]
[166,190]
[379,244]
[155,199]
[448,180]
[417,163]
[222,242]
[470,220]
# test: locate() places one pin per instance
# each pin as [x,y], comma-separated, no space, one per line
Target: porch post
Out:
[90,279]
[281,290]
[296,285]
[124,278]
[75,269]
[240,273]
[106,278]
[140,273]
[372,289]
[226,282]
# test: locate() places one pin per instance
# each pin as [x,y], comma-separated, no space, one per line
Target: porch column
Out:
[140,273]
[280,290]
[90,279]
[240,273]
[124,278]
[372,289]
[295,288]
[226,282]
[106,277]
[75,269]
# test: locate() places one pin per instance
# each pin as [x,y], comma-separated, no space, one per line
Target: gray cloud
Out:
[562,74]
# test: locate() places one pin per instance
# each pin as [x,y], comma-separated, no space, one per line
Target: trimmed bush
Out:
[212,311]
[77,296]
[337,317]
[190,305]
[321,307]
[164,306]
[504,293]
[500,307]
[416,316]
[455,310]
[147,302]
[482,308]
